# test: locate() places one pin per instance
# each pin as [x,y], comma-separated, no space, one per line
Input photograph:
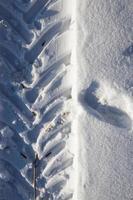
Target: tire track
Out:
[38,115]
[10,56]
[45,38]
[35,9]
[18,25]
[17,103]
[13,183]
[46,77]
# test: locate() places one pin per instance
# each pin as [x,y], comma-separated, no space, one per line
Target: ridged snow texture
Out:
[35,97]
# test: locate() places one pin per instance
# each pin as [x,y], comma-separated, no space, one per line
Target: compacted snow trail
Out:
[36,156]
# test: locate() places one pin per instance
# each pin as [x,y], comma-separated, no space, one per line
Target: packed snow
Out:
[105,114]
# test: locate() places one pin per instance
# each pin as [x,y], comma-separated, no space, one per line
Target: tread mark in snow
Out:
[35,9]
[17,25]
[47,36]
[105,112]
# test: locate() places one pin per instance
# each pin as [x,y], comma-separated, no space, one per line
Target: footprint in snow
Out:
[104,112]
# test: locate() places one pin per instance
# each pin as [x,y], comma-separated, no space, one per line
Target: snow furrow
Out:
[46,77]
[13,186]
[17,103]
[35,9]
[18,25]
[10,56]
[45,38]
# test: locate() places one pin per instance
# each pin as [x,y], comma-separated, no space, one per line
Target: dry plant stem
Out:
[34,176]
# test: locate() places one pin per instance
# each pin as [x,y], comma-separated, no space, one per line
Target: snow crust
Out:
[105,90]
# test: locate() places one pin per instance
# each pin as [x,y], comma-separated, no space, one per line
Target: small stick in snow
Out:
[7,147]
[24,156]
[48,154]
[34,175]
[24,86]
[43,43]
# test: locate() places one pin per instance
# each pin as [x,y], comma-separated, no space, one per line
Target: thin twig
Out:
[34,176]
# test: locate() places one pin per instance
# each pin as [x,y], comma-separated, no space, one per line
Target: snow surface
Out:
[105,90]
[66,106]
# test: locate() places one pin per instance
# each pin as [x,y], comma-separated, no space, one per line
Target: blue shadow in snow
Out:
[106,113]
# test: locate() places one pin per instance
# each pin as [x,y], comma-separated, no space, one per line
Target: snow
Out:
[35,99]
[66,106]
[105,114]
